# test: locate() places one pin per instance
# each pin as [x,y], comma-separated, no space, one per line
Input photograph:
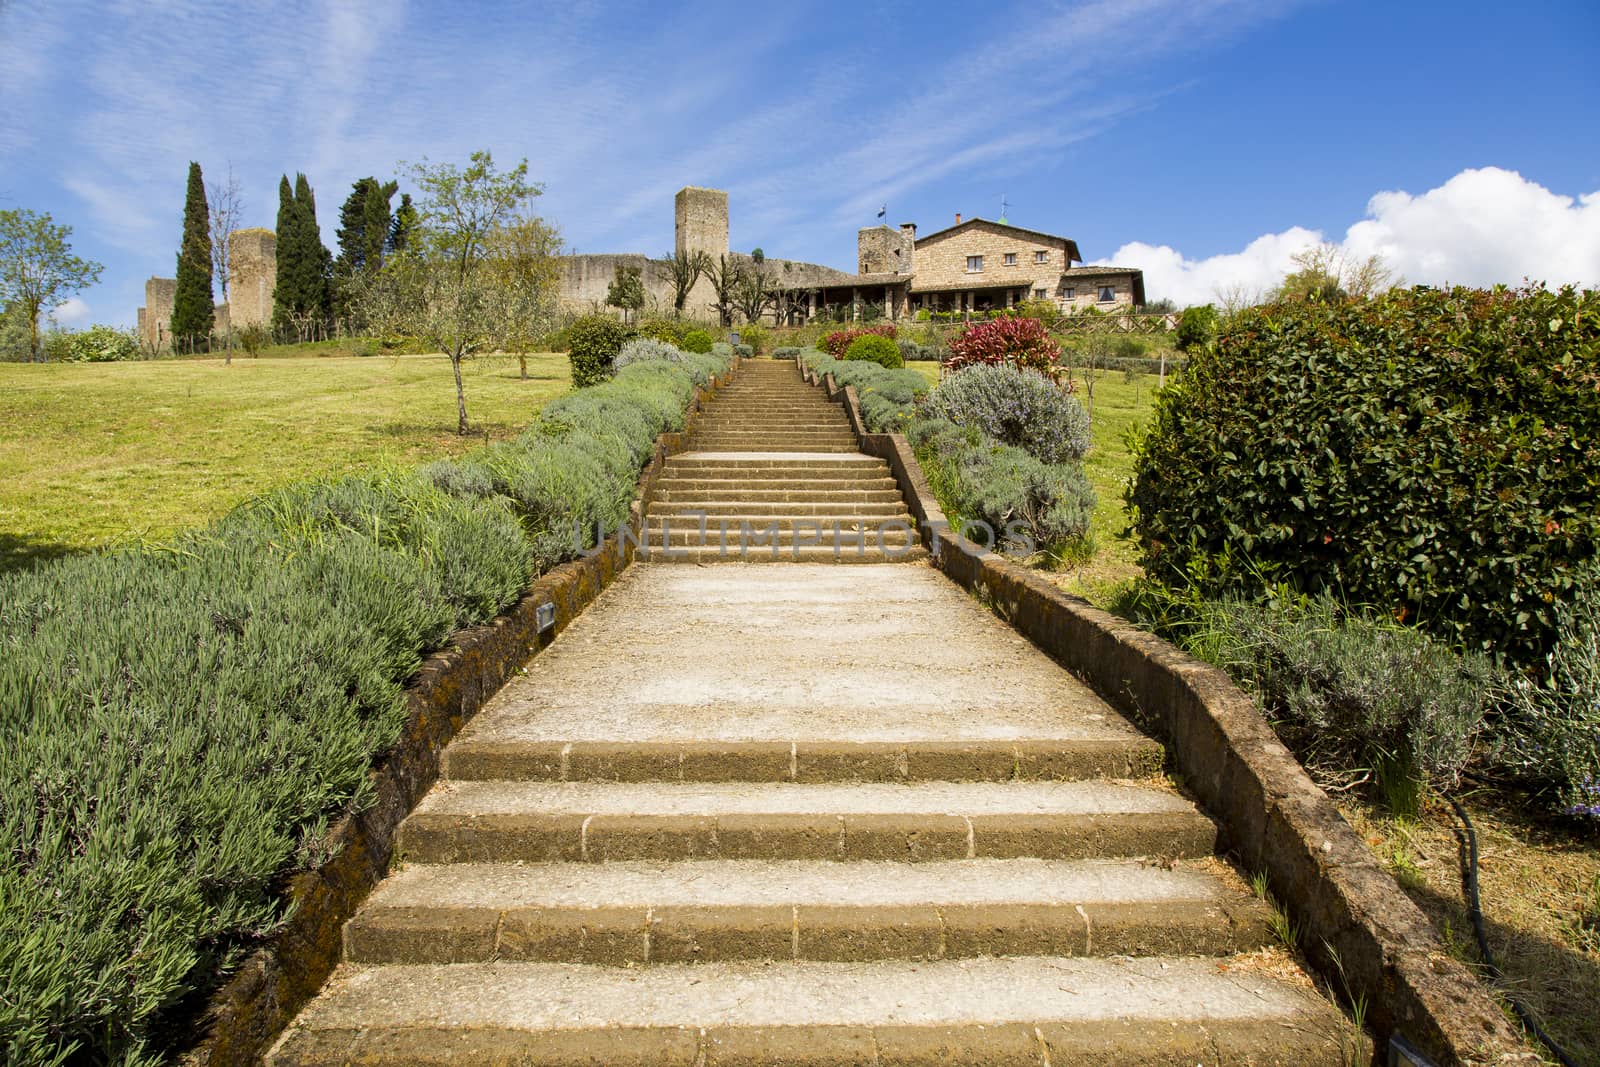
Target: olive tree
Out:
[526,277]
[444,288]
[38,271]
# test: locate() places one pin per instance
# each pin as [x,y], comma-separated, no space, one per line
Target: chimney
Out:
[908,229]
[958,218]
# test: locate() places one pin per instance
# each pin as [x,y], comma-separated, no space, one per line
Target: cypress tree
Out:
[404,224]
[375,231]
[352,232]
[302,300]
[285,297]
[192,309]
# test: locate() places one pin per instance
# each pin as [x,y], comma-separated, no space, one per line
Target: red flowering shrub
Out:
[1018,342]
[836,344]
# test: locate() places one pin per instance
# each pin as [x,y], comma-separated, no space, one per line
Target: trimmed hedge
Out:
[696,341]
[182,721]
[875,349]
[1435,454]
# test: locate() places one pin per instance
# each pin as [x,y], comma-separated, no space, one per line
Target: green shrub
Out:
[755,335]
[786,352]
[57,345]
[1017,407]
[181,722]
[1433,453]
[875,349]
[1349,693]
[911,351]
[100,344]
[1196,328]
[696,341]
[837,343]
[592,346]
[744,351]
[668,331]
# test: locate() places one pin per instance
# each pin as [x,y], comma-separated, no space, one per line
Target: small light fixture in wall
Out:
[546,615]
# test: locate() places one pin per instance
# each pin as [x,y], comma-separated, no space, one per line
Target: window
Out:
[1011,259]
[1070,293]
[1039,294]
[1041,257]
[1107,294]
[974,264]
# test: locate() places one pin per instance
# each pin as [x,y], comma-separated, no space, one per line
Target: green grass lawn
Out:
[92,454]
[1118,404]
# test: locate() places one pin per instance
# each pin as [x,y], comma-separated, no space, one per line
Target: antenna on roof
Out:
[1003,221]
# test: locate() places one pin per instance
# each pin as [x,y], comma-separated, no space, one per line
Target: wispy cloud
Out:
[809,115]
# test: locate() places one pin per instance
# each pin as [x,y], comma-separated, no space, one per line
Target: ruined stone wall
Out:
[155,318]
[253,273]
[586,279]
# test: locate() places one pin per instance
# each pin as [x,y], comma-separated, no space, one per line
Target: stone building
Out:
[252,276]
[978,265]
[972,266]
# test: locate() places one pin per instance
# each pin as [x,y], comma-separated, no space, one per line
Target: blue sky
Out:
[1203,140]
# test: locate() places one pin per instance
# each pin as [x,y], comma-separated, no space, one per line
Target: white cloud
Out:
[1482,227]
[72,314]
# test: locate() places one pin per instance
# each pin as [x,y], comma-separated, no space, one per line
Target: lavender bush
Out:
[1019,407]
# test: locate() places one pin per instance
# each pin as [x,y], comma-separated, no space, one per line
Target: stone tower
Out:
[253,270]
[155,318]
[880,250]
[702,221]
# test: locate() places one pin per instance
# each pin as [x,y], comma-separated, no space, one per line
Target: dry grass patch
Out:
[1540,889]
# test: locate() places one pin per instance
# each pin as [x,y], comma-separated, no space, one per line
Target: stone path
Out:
[807,814]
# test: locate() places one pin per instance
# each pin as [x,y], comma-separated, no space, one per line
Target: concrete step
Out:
[793,496]
[735,540]
[808,471]
[761,424]
[709,434]
[630,913]
[829,510]
[506,822]
[773,446]
[776,466]
[676,482]
[756,522]
[791,555]
[998,1012]
[484,754]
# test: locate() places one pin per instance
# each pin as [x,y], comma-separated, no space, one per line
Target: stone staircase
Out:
[773,473]
[808,815]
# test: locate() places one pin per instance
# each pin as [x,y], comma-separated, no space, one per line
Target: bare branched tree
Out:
[226,204]
[684,270]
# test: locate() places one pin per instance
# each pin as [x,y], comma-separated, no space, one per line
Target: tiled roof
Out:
[1072,246]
